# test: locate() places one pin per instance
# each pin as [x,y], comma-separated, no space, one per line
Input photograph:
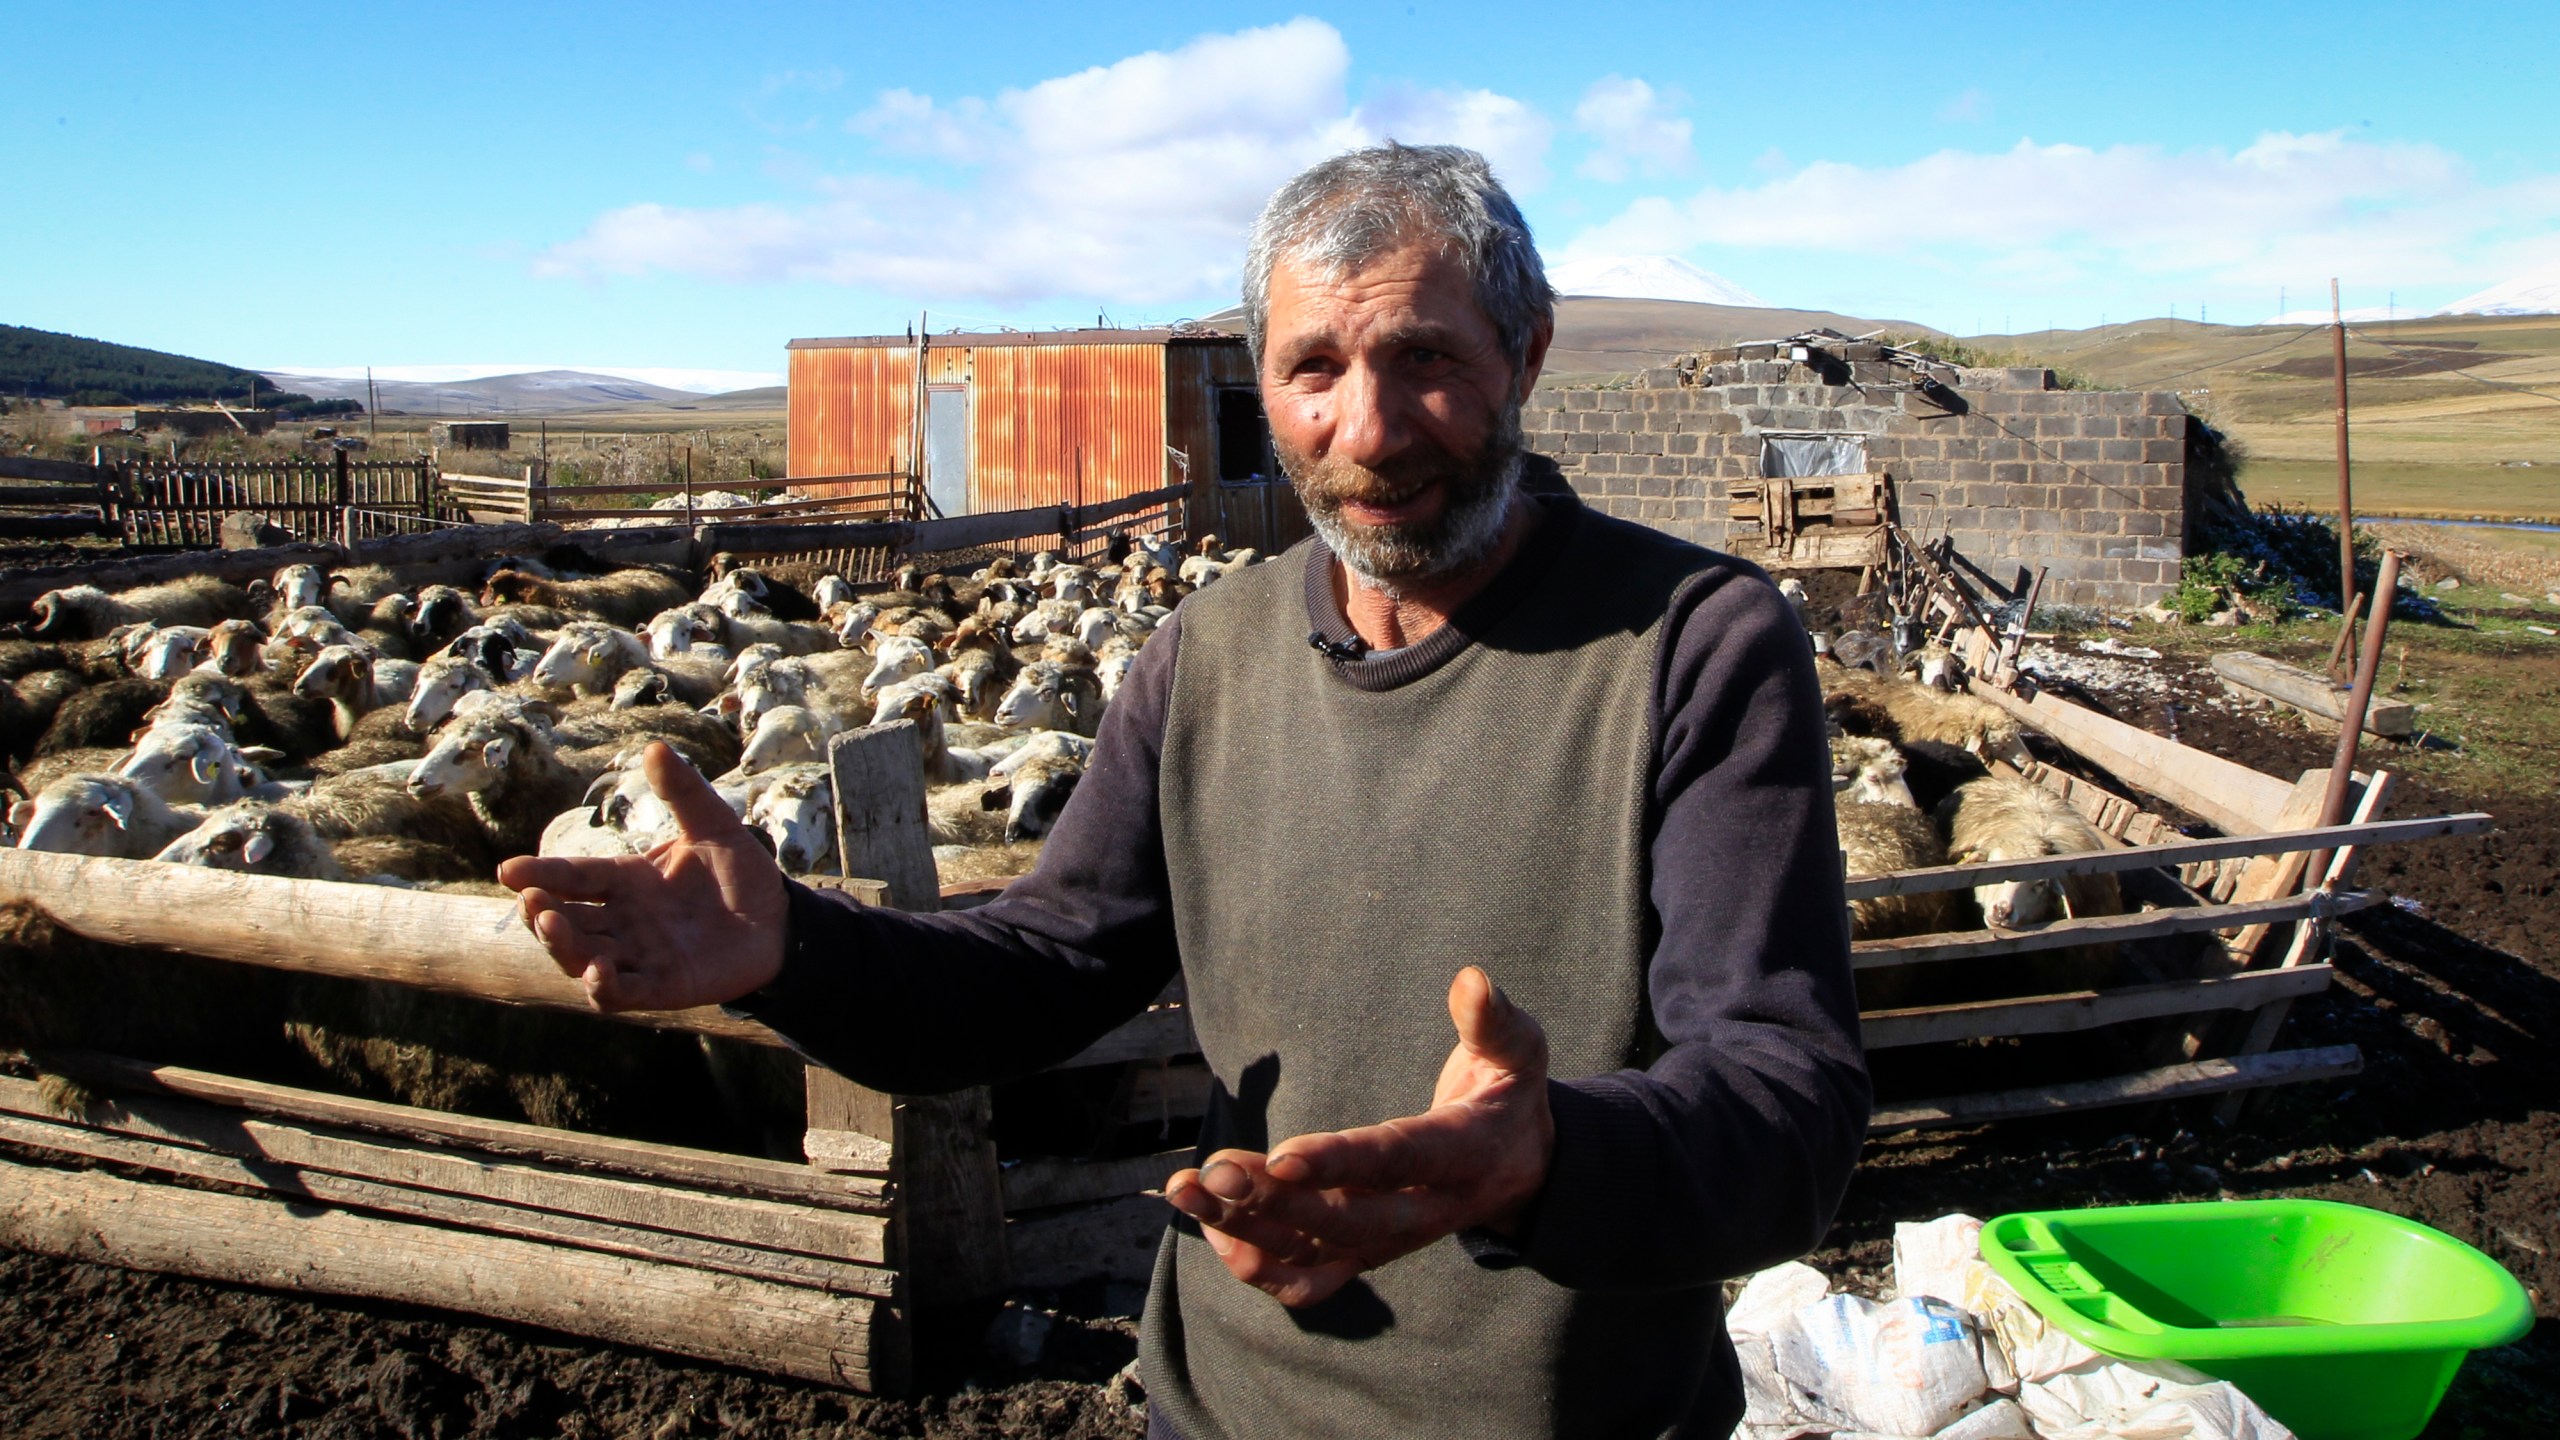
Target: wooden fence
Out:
[181,504]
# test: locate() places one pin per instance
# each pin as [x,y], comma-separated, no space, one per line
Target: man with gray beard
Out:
[1472,765]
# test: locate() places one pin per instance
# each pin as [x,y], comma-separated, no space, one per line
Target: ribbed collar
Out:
[1475,619]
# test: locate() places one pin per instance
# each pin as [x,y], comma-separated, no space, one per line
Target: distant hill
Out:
[1597,337]
[534,392]
[1608,337]
[69,367]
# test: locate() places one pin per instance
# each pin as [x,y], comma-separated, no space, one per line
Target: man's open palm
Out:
[697,921]
[1301,1221]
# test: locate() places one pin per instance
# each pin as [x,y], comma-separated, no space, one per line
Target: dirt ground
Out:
[2453,993]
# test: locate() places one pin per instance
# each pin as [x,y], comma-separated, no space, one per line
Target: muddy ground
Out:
[2453,994]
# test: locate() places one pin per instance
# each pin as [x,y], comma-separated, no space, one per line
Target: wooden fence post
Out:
[344,491]
[950,1238]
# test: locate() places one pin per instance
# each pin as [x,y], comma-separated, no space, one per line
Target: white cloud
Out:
[1131,182]
[2283,207]
[1635,128]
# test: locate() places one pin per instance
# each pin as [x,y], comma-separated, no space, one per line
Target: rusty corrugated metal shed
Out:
[1060,417]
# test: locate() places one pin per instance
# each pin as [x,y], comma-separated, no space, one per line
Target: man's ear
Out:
[1533,360]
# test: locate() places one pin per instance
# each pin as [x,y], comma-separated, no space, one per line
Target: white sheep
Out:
[788,735]
[163,652]
[100,815]
[189,763]
[257,839]
[1869,770]
[1050,696]
[897,658]
[796,810]
[587,657]
[2003,818]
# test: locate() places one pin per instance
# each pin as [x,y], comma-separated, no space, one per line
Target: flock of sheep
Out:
[418,728]
[1912,787]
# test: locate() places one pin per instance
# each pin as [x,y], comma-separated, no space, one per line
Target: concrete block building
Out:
[2090,485]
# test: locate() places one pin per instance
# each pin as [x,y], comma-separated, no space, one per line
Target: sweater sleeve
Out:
[1731,1150]
[918,1004]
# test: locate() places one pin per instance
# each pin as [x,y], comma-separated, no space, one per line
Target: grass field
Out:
[2437,423]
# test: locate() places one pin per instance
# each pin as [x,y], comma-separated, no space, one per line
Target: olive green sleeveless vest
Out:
[1342,837]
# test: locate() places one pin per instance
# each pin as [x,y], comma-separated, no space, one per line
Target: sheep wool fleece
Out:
[1342,837]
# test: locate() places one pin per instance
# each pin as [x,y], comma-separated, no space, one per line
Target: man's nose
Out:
[1369,426]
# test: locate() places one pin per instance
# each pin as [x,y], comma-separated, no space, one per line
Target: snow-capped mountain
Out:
[2535,292]
[1647,277]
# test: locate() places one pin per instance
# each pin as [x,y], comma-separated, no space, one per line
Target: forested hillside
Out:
[40,363]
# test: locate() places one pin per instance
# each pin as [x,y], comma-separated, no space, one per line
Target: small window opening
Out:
[1787,457]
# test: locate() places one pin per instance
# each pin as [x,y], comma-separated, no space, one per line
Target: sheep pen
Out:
[1040,1183]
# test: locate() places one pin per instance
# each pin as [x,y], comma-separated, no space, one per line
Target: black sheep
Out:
[102,716]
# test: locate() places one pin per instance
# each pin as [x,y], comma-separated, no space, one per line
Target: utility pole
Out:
[2346,495]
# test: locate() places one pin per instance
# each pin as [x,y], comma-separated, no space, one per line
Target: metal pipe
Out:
[2333,802]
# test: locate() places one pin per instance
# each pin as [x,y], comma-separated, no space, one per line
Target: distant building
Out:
[471,434]
[1019,419]
[196,424]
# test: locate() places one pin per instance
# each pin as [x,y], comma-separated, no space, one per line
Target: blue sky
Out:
[689,187]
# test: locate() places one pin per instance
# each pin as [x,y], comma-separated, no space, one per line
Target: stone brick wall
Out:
[2090,484]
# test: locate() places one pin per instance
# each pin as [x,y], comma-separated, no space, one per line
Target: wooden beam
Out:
[112,1145]
[2275,680]
[99,1218]
[2175,852]
[509,1138]
[1043,1184]
[452,944]
[1901,950]
[2174,1082]
[50,527]
[27,467]
[880,826]
[767,1224]
[1158,1034]
[2086,1009]
[48,495]
[1115,1240]
[2230,795]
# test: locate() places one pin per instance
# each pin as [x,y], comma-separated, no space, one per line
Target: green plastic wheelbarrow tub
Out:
[2344,1323]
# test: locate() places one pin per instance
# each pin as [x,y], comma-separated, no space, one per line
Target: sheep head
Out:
[78,815]
[797,813]
[299,585]
[189,764]
[476,752]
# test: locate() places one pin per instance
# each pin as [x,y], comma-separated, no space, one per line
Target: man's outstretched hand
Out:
[697,921]
[1301,1221]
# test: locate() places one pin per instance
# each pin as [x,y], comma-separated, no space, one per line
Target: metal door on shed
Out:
[946,448]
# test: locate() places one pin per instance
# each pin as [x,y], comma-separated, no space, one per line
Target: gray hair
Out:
[1344,212]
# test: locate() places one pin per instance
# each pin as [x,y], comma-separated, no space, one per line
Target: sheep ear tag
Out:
[595,654]
[260,846]
[204,767]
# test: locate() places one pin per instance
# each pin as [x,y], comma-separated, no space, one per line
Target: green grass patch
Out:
[2385,487]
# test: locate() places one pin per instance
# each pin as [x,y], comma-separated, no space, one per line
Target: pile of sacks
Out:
[1957,1355]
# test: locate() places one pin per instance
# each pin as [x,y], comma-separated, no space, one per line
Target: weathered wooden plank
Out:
[2086,1009]
[673,1164]
[64,472]
[1897,950]
[880,825]
[91,1140]
[453,944]
[2230,795]
[2176,852]
[100,1218]
[1158,1034]
[2174,1082]
[768,1224]
[1042,1184]
[49,494]
[1115,1240]
[52,527]
[2299,688]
